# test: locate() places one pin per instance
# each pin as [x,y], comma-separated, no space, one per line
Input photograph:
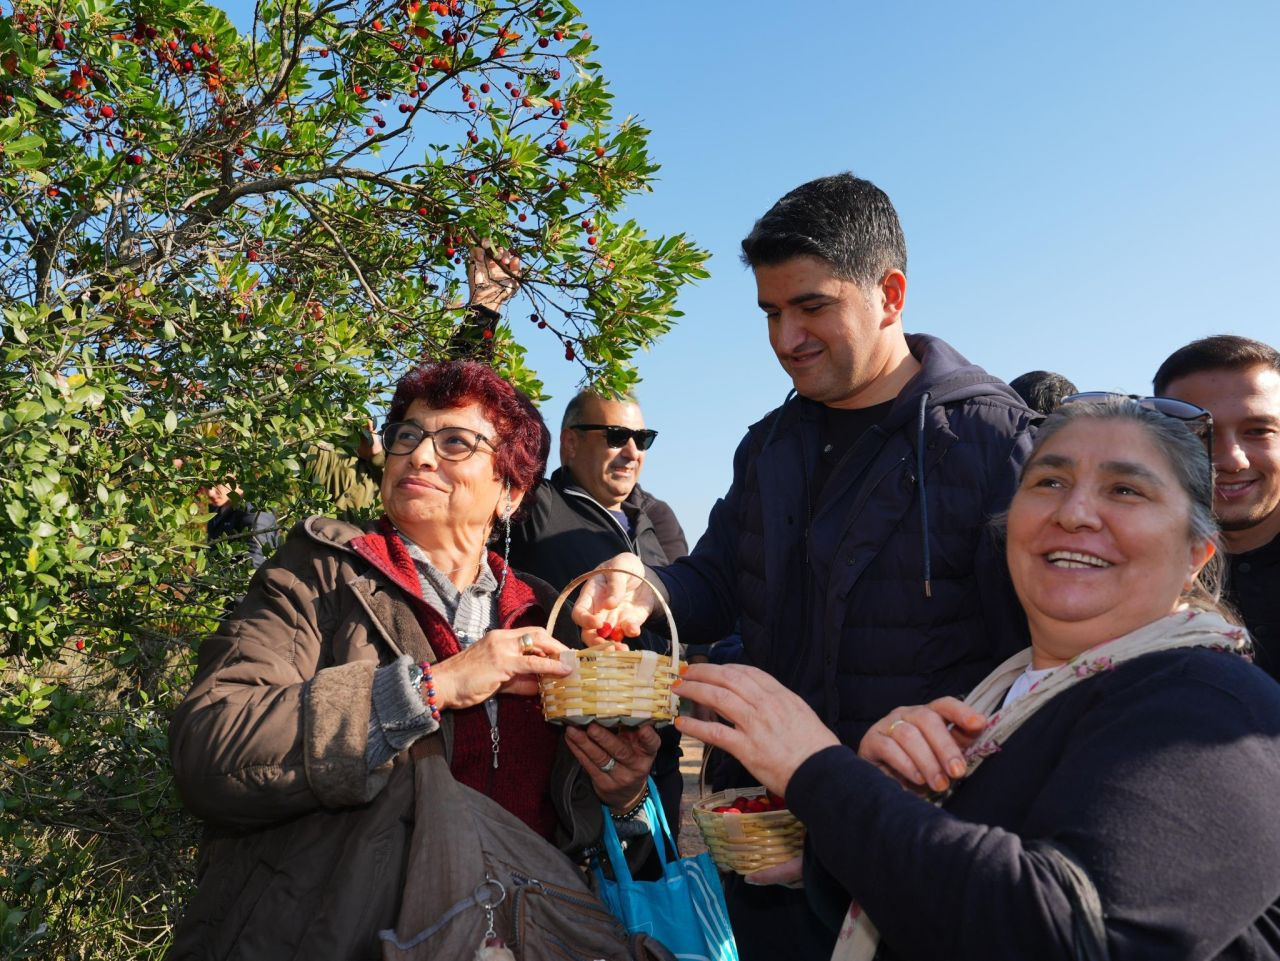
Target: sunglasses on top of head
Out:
[1199,420]
[617,437]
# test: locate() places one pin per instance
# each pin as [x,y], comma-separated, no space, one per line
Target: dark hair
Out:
[573,409]
[523,441]
[1042,390]
[846,221]
[1187,459]
[1220,352]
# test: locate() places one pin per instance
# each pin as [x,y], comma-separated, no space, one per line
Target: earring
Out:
[506,540]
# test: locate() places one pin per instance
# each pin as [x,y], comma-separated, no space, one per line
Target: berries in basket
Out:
[748,829]
[612,687]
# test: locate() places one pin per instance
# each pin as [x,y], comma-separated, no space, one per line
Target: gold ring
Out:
[526,643]
[889,732]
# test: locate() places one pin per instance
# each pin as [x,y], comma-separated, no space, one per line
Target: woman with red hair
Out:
[356,651]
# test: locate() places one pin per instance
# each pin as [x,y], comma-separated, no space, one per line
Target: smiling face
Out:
[1246,449]
[1099,537]
[841,345]
[440,502]
[607,473]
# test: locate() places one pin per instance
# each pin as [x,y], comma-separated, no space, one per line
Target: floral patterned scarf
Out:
[1186,628]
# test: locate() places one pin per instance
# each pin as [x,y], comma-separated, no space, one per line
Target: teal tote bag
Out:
[685,910]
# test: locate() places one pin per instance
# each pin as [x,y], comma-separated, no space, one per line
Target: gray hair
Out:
[573,410]
[1190,464]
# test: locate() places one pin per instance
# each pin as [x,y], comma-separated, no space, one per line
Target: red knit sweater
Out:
[527,743]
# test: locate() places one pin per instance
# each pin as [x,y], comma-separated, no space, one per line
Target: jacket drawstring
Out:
[924,504]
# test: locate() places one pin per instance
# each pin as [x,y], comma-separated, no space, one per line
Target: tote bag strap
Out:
[661,837]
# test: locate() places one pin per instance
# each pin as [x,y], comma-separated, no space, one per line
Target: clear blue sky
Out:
[1084,187]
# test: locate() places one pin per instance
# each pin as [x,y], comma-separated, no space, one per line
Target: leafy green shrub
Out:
[216,249]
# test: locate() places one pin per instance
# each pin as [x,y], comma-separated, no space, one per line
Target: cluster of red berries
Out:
[753,805]
[611,632]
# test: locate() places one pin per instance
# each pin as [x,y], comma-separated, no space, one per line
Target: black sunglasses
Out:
[1199,420]
[618,436]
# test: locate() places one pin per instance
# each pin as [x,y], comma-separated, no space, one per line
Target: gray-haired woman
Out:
[1108,792]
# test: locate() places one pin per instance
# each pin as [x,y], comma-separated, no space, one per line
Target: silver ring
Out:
[526,643]
[609,765]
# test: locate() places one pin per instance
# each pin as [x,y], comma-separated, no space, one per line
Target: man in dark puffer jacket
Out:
[852,546]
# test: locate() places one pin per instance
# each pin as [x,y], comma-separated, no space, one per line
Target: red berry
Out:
[253,255]
[79,645]
[522,218]
[729,810]
[368,131]
[559,35]
[591,241]
[599,151]
[135,159]
[299,366]
[586,225]
[487,335]
[422,211]
[484,88]
[741,801]
[564,125]
[377,25]
[51,191]
[543,41]
[108,111]
[500,51]
[776,800]
[568,352]
[561,146]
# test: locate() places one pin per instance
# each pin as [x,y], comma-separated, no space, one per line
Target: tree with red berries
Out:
[219,244]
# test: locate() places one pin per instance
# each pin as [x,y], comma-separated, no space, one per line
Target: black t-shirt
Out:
[838,432]
[1253,586]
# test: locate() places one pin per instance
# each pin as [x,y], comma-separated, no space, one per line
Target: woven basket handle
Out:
[583,578]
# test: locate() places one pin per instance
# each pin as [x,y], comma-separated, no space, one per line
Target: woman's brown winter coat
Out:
[306,847]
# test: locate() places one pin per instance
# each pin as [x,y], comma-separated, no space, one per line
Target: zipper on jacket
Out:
[626,538]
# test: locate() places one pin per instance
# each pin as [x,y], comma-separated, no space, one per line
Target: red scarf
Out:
[527,744]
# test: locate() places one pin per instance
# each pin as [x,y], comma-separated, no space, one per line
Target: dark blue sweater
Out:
[1161,777]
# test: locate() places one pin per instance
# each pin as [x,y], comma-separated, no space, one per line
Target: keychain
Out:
[492,947]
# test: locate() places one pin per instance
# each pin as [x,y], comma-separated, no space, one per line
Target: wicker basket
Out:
[746,843]
[612,687]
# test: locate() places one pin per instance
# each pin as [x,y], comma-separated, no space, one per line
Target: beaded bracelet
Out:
[635,809]
[430,696]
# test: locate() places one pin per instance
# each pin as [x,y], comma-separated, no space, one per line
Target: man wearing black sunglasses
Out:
[591,508]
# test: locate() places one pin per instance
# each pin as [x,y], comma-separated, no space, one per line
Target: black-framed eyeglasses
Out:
[451,443]
[1199,420]
[618,436]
